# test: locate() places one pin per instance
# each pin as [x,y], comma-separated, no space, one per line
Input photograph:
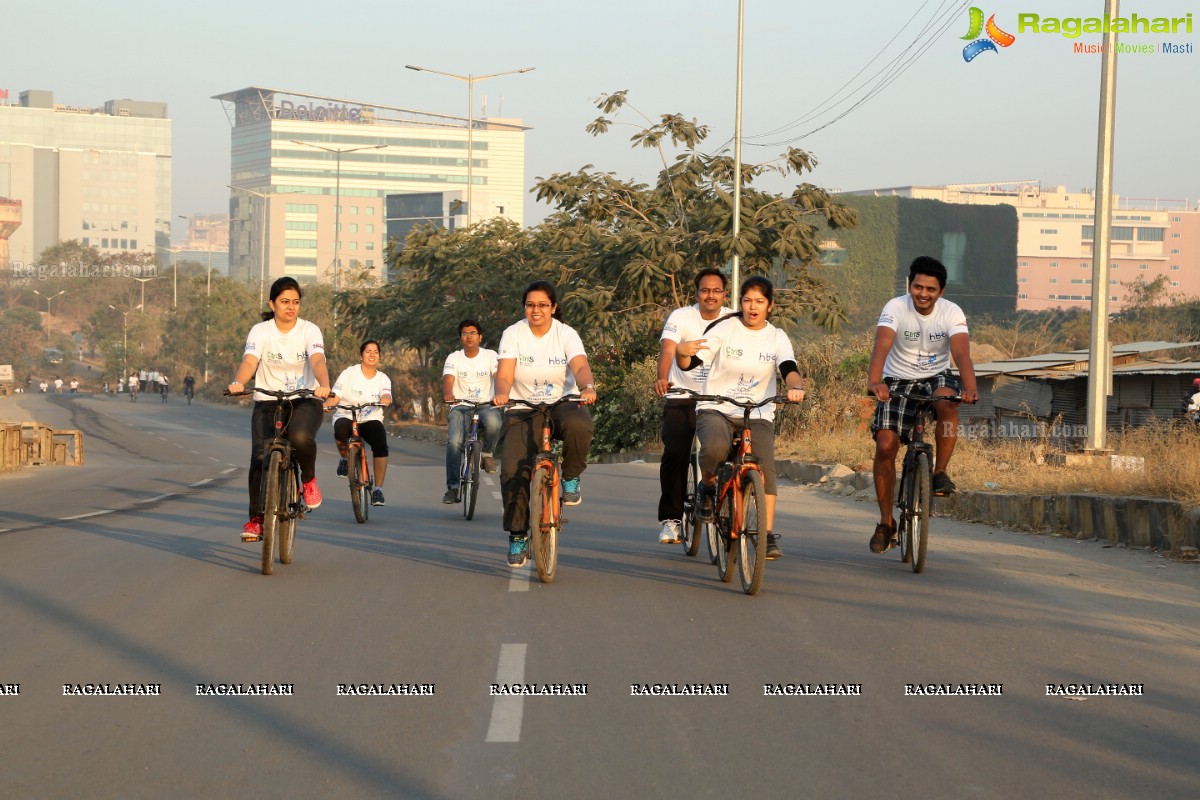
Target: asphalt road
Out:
[149,585]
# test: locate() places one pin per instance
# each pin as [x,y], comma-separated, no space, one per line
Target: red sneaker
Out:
[252,530]
[312,495]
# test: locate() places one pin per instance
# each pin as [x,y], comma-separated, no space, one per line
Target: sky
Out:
[918,113]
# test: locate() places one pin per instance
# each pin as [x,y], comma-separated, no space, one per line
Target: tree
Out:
[632,249]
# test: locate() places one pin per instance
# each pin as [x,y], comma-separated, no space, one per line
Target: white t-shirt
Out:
[474,378]
[542,373]
[922,346]
[353,388]
[744,363]
[283,364]
[684,325]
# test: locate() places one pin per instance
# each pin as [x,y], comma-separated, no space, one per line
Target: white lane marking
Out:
[200,483]
[496,496]
[194,452]
[5,530]
[519,580]
[161,437]
[507,711]
[227,471]
[179,445]
[154,499]
[210,458]
[488,480]
[85,516]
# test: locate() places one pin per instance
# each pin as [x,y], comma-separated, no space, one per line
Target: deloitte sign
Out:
[320,113]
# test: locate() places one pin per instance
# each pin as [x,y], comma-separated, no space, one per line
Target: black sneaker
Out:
[881,539]
[377,498]
[942,485]
[518,549]
[343,468]
[706,502]
[773,551]
[450,497]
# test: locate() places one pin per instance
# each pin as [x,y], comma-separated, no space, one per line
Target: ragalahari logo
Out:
[995,36]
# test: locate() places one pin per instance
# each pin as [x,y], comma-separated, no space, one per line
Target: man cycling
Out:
[469,374]
[916,336]
[679,412]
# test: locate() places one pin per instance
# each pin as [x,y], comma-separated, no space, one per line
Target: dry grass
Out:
[832,428]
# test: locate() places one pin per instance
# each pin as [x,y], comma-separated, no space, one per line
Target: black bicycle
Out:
[915,499]
[282,491]
[471,459]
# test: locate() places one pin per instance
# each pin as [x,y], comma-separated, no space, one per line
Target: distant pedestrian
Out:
[58,384]
[74,386]
[162,385]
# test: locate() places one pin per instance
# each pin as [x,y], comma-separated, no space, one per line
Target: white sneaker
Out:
[669,534]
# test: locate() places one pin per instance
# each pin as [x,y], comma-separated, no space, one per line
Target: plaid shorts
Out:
[899,414]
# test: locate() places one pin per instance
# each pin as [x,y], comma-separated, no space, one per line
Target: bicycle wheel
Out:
[922,501]
[291,503]
[272,508]
[470,484]
[726,546]
[904,506]
[692,527]
[544,523]
[360,498]
[752,534]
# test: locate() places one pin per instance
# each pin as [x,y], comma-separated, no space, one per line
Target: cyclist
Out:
[363,383]
[679,412]
[163,385]
[744,353]
[917,334]
[541,359]
[283,353]
[134,386]
[189,386]
[469,374]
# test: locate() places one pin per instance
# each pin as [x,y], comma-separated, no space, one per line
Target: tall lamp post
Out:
[124,336]
[337,201]
[174,274]
[142,281]
[49,298]
[737,161]
[470,80]
[207,295]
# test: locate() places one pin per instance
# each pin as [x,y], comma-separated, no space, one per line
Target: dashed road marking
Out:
[519,580]
[85,516]
[507,712]
[200,483]
[155,499]
[227,471]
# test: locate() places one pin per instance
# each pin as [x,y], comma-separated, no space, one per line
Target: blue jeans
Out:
[459,427]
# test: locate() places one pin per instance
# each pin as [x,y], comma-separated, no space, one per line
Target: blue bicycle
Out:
[472,458]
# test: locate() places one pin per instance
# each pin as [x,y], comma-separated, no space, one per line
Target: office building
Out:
[99,175]
[1150,238]
[294,154]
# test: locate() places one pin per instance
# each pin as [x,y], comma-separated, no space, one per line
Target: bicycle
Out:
[915,498]
[694,528]
[358,469]
[472,457]
[545,494]
[739,507]
[282,490]
[189,392]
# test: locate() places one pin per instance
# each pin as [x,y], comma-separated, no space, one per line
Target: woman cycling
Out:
[283,353]
[540,360]
[744,352]
[363,383]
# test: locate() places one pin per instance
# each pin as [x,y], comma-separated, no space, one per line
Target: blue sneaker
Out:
[571,492]
[343,468]
[518,549]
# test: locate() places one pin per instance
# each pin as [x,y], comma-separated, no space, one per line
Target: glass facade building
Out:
[98,175]
[294,155]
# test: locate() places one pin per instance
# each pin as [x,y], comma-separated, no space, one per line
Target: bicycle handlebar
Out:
[746,404]
[569,398]
[926,398]
[278,394]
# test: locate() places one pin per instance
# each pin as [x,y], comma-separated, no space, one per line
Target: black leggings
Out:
[301,425]
[372,432]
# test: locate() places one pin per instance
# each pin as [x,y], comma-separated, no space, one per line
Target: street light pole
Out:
[142,281]
[262,236]
[337,200]
[207,292]
[737,163]
[124,337]
[49,298]
[470,81]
